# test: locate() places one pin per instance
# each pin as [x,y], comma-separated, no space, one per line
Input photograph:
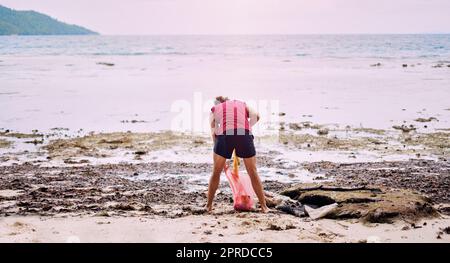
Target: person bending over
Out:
[231,122]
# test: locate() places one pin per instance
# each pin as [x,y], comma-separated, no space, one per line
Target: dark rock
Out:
[426,119]
[447,230]
[322,131]
[295,126]
[106,64]
[274,227]
[316,200]
[404,128]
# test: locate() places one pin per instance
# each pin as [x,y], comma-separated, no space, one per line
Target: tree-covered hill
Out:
[13,22]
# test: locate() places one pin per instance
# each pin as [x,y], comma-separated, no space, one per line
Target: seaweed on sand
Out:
[323,142]
[96,145]
[5,143]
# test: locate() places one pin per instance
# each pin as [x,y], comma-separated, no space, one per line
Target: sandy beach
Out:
[357,149]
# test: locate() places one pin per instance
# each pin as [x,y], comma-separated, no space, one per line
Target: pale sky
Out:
[135,17]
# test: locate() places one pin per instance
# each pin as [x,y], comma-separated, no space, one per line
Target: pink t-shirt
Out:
[230,116]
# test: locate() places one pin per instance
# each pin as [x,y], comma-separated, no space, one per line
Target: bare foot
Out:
[208,209]
[265,210]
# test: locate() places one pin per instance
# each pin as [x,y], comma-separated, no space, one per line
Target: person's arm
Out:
[253,116]
[212,123]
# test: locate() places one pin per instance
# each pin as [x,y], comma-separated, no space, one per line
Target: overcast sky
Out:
[133,17]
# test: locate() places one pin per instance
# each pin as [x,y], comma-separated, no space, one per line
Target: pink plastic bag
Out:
[241,187]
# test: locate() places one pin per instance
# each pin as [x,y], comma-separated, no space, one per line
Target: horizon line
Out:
[243,34]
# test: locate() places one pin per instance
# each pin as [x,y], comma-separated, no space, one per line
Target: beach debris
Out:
[414,226]
[72,161]
[446,230]
[375,141]
[443,231]
[133,121]
[317,213]
[292,207]
[194,210]
[405,65]
[323,131]
[36,141]
[5,143]
[444,209]
[59,129]
[19,135]
[106,64]
[281,114]
[295,126]
[307,124]
[376,65]
[438,142]
[373,205]
[428,177]
[426,119]
[284,204]
[98,144]
[274,227]
[404,128]
[103,214]
[198,141]
[368,130]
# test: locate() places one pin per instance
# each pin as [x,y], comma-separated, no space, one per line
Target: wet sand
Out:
[122,187]
[99,190]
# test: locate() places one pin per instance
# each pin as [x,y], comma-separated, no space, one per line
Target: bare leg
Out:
[219,163]
[250,165]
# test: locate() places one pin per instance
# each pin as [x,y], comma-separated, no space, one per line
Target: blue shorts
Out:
[243,144]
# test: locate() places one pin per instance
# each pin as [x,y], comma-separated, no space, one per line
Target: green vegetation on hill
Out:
[13,22]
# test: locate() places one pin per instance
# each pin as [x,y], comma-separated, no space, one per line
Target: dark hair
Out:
[221,99]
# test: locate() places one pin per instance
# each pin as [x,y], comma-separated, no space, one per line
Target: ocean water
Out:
[62,81]
[282,46]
